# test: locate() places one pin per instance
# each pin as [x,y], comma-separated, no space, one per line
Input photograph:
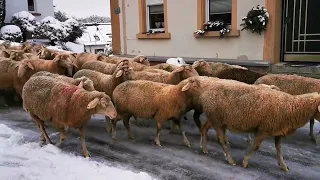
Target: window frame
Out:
[208,12]
[34,6]
[203,17]
[148,17]
[142,7]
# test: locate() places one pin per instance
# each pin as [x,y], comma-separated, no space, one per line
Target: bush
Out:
[77,30]
[11,33]
[26,22]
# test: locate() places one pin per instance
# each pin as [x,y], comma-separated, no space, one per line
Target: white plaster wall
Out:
[44,7]
[182,22]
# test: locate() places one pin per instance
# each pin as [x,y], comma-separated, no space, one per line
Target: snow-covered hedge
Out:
[11,33]
[25,20]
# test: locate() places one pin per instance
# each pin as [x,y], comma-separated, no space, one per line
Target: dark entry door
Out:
[301,30]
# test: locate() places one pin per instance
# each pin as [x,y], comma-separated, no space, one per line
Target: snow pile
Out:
[21,160]
[72,22]
[25,20]
[54,29]
[176,61]
[78,48]
[11,33]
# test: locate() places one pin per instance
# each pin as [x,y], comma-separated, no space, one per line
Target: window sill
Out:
[235,33]
[154,36]
[35,13]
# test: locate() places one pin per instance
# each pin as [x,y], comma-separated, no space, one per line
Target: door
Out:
[301,30]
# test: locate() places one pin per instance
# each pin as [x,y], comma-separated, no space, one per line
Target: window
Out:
[219,10]
[155,15]
[31,5]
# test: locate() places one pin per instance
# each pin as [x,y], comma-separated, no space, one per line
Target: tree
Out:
[59,15]
[2,12]
[95,19]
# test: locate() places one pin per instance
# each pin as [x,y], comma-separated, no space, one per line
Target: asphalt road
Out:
[176,161]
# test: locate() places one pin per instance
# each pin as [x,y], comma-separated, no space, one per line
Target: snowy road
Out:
[171,161]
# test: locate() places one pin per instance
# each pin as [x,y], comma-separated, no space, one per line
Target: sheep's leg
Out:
[181,127]
[221,139]
[108,124]
[253,148]
[42,129]
[126,124]
[113,129]
[204,134]
[196,118]
[174,128]
[63,137]
[157,138]
[311,128]
[249,140]
[225,136]
[83,143]
[277,141]
[42,138]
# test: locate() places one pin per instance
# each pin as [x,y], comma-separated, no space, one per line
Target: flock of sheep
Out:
[67,88]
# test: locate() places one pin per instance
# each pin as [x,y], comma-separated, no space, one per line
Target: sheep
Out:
[295,85]
[179,74]
[213,68]
[18,55]
[48,54]
[138,59]
[242,75]
[277,117]
[64,105]
[85,57]
[176,61]
[87,83]
[59,65]
[106,68]
[147,99]
[8,74]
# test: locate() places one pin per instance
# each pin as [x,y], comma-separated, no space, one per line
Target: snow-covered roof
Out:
[96,34]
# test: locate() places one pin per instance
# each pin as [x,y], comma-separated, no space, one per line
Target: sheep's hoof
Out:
[249,141]
[158,143]
[205,150]
[130,136]
[87,155]
[244,164]
[285,168]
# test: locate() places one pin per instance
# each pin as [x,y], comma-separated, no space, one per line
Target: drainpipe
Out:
[124,26]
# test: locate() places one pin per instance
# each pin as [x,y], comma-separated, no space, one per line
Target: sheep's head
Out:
[185,71]
[85,83]
[202,67]
[46,54]
[18,55]
[101,57]
[5,53]
[65,61]
[24,67]
[142,60]
[123,71]
[102,104]
[191,85]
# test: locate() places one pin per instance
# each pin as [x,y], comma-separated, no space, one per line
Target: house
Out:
[39,8]
[295,39]
[97,37]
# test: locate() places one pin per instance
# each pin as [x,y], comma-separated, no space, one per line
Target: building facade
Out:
[39,8]
[291,33]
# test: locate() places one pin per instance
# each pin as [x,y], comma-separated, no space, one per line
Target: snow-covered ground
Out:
[28,160]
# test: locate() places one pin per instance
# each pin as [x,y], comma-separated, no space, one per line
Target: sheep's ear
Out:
[93,103]
[186,87]
[74,55]
[80,84]
[319,108]
[179,69]
[100,57]
[196,64]
[30,65]
[119,73]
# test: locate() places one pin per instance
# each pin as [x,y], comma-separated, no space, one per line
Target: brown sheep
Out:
[138,59]
[87,83]
[61,65]
[18,55]
[85,57]
[65,105]
[295,85]
[262,111]
[103,67]
[48,54]
[179,74]
[8,74]
[147,99]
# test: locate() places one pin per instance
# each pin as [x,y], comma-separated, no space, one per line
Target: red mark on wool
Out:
[69,90]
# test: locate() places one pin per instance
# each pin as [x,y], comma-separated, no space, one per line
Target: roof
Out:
[96,34]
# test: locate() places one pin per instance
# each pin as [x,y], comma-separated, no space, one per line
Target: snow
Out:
[13,29]
[77,48]
[25,15]
[176,61]
[50,20]
[28,160]
[72,22]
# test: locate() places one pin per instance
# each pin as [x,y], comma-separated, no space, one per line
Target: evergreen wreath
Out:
[256,20]
[214,26]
